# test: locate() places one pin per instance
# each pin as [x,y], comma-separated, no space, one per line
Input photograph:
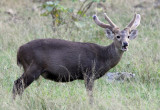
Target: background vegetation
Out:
[21,21]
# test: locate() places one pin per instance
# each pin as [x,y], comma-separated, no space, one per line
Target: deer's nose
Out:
[125,44]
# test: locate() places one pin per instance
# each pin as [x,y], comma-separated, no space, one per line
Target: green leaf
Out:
[45,14]
[49,9]
[80,12]
[49,3]
[70,10]
[96,0]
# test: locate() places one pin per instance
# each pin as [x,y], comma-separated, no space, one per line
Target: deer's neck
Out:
[112,55]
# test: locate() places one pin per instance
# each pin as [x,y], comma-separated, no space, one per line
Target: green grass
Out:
[142,58]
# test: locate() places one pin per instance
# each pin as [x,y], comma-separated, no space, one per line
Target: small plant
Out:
[85,6]
[54,9]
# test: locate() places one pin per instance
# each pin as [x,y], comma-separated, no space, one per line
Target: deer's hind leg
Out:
[30,74]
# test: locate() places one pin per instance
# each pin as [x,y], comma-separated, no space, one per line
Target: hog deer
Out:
[66,61]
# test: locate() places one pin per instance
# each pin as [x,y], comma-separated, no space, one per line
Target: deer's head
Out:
[121,37]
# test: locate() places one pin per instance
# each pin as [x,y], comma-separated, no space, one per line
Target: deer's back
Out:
[60,58]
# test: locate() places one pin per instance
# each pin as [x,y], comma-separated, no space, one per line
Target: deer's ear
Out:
[109,34]
[133,34]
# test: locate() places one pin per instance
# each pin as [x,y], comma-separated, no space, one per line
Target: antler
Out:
[134,23]
[101,24]
[109,20]
[111,25]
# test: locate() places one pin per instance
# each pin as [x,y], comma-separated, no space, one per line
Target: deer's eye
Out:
[128,37]
[118,37]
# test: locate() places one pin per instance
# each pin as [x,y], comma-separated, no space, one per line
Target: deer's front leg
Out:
[89,83]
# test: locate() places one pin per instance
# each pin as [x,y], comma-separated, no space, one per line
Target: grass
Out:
[143,59]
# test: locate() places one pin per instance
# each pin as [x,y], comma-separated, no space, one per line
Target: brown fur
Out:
[63,61]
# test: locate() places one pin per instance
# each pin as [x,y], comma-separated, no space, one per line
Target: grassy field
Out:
[142,58]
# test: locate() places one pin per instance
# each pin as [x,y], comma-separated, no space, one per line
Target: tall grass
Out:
[143,59]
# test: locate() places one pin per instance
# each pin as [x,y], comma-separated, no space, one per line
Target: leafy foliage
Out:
[54,9]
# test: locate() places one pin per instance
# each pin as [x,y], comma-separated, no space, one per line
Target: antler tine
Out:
[101,24]
[109,20]
[132,21]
